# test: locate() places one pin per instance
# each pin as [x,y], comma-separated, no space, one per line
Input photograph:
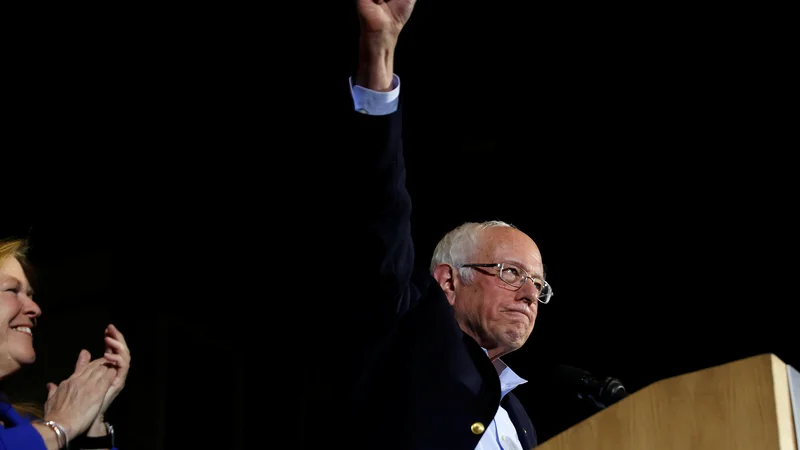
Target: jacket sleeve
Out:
[379,243]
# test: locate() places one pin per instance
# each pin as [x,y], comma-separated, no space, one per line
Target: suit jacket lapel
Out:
[521,421]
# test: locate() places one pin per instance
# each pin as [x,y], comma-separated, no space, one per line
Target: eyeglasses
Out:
[515,276]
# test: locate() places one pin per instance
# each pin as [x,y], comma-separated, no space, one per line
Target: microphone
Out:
[601,391]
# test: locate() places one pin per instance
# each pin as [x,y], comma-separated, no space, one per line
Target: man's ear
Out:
[446,277]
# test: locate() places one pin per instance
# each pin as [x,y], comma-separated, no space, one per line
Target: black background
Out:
[648,150]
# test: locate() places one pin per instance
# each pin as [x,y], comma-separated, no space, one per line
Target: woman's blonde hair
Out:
[30,410]
[18,248]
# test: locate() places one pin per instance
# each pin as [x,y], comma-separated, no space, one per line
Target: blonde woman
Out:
[72,416]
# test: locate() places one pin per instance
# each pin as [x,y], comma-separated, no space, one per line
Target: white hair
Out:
[459,245]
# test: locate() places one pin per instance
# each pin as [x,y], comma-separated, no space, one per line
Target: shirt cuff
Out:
[375,103]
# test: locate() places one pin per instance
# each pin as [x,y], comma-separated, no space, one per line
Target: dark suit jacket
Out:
[415,380]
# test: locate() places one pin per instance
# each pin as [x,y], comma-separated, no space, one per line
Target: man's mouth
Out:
[515,312]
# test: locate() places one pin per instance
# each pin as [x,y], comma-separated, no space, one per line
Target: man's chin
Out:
[514,340]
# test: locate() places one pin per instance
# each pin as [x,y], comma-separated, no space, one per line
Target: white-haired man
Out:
[420,362]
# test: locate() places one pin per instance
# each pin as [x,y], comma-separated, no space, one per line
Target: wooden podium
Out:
[743,404]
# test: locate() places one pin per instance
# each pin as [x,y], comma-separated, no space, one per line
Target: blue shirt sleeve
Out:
[21,437]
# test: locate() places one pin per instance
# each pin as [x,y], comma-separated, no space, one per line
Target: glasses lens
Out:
[547,293]
[515,276]
[512,274]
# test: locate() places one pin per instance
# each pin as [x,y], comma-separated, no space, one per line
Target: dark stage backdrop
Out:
[642,148]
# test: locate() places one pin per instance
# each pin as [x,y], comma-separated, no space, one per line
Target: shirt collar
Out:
[508,378]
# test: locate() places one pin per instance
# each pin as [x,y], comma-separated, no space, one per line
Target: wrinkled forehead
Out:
[511,245]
